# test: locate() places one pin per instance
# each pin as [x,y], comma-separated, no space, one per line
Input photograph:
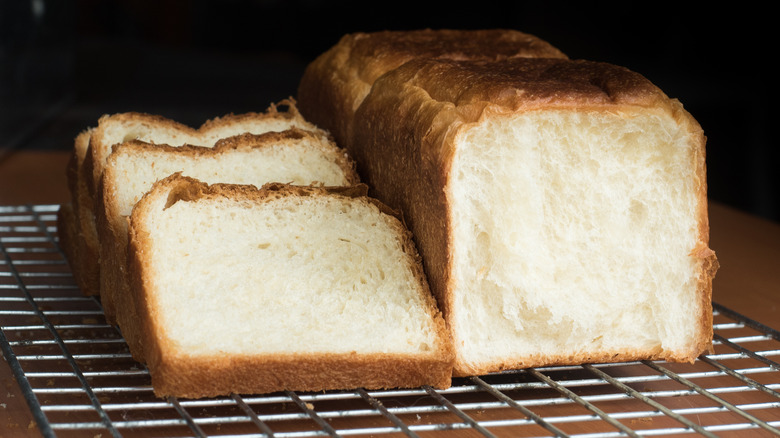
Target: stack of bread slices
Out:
[558,207]
[245,256]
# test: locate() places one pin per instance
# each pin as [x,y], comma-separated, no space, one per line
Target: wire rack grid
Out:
[78,378]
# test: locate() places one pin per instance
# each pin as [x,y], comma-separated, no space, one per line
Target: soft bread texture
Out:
[292,156]
[118,128]
[337,81]
[285,287]
[560,207]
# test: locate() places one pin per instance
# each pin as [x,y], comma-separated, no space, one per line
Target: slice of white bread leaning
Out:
[118,128]
[559,206]
[338,80]
[248,290]
[293,156]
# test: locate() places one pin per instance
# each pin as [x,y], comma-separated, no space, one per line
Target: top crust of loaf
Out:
[525,84]
[370,55]
[334,84]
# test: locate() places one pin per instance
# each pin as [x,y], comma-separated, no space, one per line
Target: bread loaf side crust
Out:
[334,85]
[184,375]
[404,141]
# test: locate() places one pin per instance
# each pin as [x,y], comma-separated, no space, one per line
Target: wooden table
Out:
[748,249]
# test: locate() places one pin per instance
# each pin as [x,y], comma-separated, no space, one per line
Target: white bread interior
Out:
[575,237]
[292,156]
[258,290]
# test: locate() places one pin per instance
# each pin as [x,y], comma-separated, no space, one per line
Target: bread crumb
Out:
[310,406]
[31,425]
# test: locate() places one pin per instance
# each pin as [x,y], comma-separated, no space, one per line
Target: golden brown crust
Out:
[67,237]
[284,109]
[334,84]
[524,84]
[194,377]
[406,128]
[184,375]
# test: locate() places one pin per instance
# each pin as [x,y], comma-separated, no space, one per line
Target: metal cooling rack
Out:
[78,378]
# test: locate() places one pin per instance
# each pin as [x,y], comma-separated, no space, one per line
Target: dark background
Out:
[63,64]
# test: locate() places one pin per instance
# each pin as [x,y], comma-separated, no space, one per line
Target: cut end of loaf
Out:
[233,276]
[576,234]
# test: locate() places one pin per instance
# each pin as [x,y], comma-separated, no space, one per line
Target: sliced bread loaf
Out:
[281,288]
[293,156]
[560,206]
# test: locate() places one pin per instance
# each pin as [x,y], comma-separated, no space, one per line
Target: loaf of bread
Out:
[285,287]
[559,206]
[93,147]
[292,156]
[337,81]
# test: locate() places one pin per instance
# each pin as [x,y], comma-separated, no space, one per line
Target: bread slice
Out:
[560,207]
[285,287]
[293,156]
[117,128]
[337,81]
